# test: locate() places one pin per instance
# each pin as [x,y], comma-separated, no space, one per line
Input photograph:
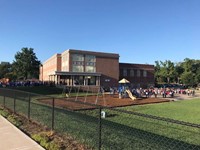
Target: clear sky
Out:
[140,31]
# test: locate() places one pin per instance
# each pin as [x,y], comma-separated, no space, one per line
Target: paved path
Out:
[185,96]
[11,138]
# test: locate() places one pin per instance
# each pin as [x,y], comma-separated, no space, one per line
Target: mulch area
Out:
[91,102]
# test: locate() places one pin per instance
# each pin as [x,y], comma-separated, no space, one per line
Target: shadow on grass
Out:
[84,128]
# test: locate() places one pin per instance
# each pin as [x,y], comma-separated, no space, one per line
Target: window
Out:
[77,57]
[90,58]
[90,69]
[144,73]
[138,73]
[124,72]
[77,63]
[77,68]
[90,63]
[132,73]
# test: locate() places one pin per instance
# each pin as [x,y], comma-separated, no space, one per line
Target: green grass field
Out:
[121,130]
[154,131]
[185,110]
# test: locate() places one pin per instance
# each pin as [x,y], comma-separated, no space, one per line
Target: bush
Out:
[4,113]
[46,140]
[14,120]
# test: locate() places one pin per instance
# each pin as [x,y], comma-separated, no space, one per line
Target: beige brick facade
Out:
[49,67]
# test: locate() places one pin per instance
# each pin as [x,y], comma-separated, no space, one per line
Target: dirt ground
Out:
[91,102]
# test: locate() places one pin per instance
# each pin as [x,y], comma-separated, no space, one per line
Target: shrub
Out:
[14,120]
[4,113]
[46,140]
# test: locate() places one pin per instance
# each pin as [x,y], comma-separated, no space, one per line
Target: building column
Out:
[58,79]
[97,81]
[54,78]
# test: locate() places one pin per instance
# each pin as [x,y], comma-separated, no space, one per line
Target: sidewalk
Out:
[11,138]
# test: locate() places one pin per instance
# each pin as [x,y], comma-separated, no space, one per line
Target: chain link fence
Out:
[101,127]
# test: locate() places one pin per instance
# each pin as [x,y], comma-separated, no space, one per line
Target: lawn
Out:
[185,110]
[121,130]
[150,131]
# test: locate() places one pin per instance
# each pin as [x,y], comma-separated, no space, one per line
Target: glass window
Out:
[125,72]
[90,63]
[77,68]
[138,73]
[90,69]
[77,63]
[77,57]
[144,73]
[90,58]
[132,73]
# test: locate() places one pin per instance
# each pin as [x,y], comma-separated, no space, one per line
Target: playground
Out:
[93,101]
[90,97]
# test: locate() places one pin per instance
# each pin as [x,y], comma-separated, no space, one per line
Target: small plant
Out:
[46,140]
[13,119]
[4,113]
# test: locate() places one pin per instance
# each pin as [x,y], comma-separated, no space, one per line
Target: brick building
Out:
[78,67]
[139,75]
[74,67]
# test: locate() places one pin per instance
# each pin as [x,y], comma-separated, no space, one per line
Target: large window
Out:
[132,73]
[90,63]
[90,58]
[138,73]
[124,72]
[81,63]
[144,73]
[77,57]
[77,68]
[77,63]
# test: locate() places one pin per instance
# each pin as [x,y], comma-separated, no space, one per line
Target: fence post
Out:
[4,101]
[99,128]
[29,106]
[52,123]
[14,109]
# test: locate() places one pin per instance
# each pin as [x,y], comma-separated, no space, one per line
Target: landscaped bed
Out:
[47,138]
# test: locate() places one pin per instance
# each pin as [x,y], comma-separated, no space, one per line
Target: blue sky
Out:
[140,31]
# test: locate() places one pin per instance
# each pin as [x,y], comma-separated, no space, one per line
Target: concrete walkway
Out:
[11,138]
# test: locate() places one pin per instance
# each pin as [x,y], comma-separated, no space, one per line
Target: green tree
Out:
[188,78]
[168,71]
[5,68]
[26,64]
[186,72]
[178,72]
[157,75]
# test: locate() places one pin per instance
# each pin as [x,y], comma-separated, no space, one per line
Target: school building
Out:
[80,67]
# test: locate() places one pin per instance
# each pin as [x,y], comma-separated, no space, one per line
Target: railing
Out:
[118,129]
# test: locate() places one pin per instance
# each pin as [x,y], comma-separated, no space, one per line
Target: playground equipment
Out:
[130,95]
[85,91]
[67,91]
[100,93]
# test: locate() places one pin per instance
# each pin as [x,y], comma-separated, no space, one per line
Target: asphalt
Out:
[11,138]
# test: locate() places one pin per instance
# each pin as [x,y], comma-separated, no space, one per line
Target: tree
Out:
[188,78]
[178,72]
[186,72]
[4,69]
[26,64]
[157,72]
[167,71]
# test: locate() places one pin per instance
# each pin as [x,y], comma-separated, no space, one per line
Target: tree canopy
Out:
[26,64]
[186,72]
